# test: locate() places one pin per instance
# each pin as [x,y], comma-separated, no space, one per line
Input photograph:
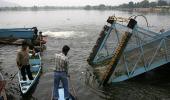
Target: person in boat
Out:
[33,53]
[22,61]
[35,32]
[61,73]
[39,40]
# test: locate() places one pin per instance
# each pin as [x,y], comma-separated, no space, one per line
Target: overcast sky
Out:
[69,2]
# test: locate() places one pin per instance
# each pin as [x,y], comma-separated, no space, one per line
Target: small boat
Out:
[2,88]
[35,62]
[61,94]
[15,36]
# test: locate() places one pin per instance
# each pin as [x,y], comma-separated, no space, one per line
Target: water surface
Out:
[79,29]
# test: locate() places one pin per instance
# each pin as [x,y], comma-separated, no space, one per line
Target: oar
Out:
[73,89]
[11,78]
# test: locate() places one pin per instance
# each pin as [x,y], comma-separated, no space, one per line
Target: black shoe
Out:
[24,79]
[54,99]
[31,78]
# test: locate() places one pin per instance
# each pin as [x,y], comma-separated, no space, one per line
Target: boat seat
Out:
[25,83]
[35,61]
[35,68]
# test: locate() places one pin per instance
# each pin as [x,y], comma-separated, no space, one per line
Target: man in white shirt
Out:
[60,73]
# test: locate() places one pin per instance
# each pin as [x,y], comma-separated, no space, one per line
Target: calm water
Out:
[79,29]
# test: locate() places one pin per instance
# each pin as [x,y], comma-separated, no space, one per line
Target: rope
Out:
[135,16]
[11,78]
[90,86]
[121,19]
[1,76]
[87,83]
[75,94]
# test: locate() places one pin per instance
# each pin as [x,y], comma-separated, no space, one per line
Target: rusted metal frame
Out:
[116,36]
[131,73]
[104,41]
[166,54]
[155,54]
[154,33]
[142,51]
[125,64]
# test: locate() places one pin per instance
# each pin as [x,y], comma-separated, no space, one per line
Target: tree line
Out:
[36,8]
[144,4]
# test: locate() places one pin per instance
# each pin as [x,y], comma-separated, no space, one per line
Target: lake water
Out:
[79,29]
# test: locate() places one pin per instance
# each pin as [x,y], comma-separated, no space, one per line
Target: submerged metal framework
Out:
[123,52]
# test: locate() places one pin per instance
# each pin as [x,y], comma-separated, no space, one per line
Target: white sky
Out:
[70,2]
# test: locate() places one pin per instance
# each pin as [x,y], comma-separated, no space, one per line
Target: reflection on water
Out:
[79,29]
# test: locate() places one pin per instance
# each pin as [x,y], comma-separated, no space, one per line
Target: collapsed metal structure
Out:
[125,51]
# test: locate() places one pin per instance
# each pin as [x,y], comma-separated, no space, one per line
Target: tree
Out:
[124,5]
[162,3]
[101,6]
[144,4]
[153,4]
[87,7]
[131,5]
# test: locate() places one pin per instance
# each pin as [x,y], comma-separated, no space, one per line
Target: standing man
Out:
[61,73]
[22,61]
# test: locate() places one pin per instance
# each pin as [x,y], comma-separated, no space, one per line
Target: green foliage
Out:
[36,8]
[144,4]
[98,7]
[131,4]
[153,4]
[88,7]
[162,3]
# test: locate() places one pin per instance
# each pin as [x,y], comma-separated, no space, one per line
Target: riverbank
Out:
[146,10]
[140,10]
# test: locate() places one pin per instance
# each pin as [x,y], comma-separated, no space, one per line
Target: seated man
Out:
[39,41]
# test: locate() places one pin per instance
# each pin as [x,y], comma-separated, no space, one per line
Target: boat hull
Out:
[61,94]
[35,68]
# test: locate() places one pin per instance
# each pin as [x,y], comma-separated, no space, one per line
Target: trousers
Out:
[60,76]
[25,69]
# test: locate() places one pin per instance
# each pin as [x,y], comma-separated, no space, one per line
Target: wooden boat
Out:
[35,62]
[17,33]
[15,36]
[2,88]
[61,94]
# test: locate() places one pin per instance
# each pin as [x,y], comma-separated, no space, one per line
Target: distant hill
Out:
[7,4]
